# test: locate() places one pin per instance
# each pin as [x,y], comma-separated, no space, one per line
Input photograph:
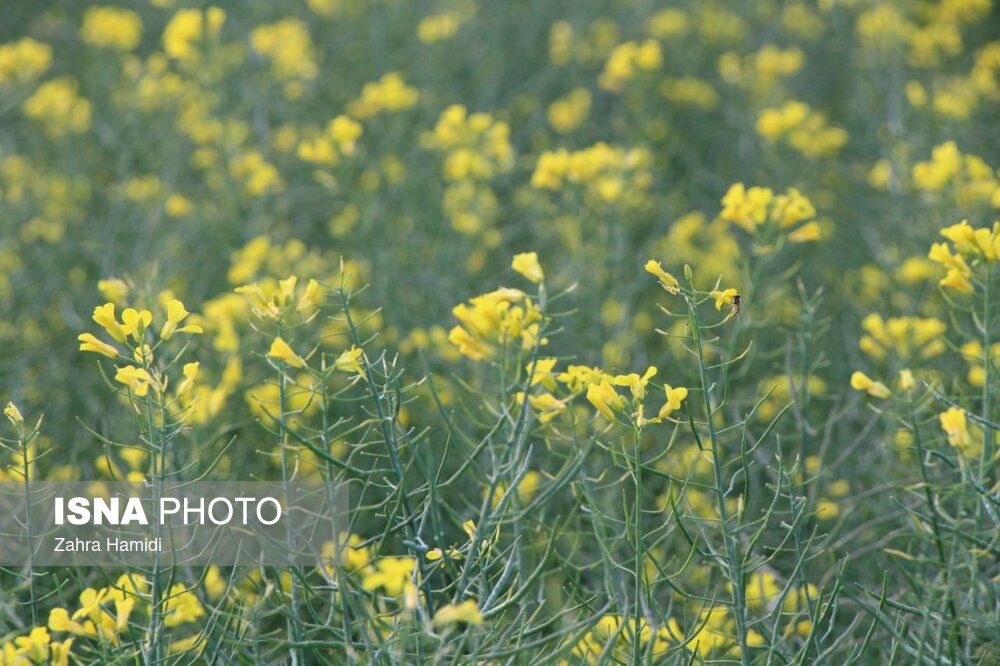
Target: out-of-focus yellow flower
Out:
[527,265]
[282,351]
[568,113]
[390,94]
[391,574]
[24,60]
[955,426]
[58,106]
[111,27]
[467,611]
[190,373]
[114,290]
[627,60]
[906,337]
[906,382]
[862,382]
[186,30]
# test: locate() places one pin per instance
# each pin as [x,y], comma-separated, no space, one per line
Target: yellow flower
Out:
[906,382]
[635,383]
[675,396]
[190,375]
[391,574]
[281,350]
[467,611]
[810,231]
[111,27]
[91,343]
[954,424]
[605,399]
[136,322]
[137,379]
[176,313]
[104,315]
[114,290]
[34,646]
[527,265]
[14,414]
[350,361]
[310,297]
[90,604]
[667,281]
[722,298]
[862,382]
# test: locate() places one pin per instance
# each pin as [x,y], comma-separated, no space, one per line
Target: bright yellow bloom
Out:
[862,382]
[91,343]
[725,297]
[281,350]
[467,611]
[350,361]
[527,265]
[635,383]
[675,396]
[104,315]
[667,281]
[135,322]
[90,604]
[176,313]
[137,379]
[605,399]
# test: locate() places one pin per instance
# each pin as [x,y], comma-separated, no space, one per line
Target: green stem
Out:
[734,564]
[637,536]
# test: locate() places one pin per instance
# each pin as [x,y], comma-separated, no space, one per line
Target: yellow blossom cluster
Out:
[606,173]
[489,323]
[389,94]
[112,28]
[24,60]
[288,47]
[972,248]
[803,129]
[902,337]
[58,106]
[627,60]
[968,177]
[188,31]
[760,71]
[758,208]
[476,147]
[569,112]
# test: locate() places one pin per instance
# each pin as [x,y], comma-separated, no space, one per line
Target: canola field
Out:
[640,332]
